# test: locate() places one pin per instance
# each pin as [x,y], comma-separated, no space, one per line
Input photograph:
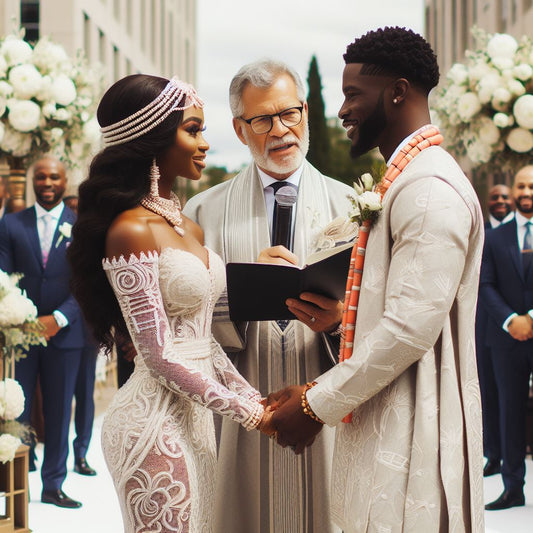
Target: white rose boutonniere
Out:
[366,205]
[66,231]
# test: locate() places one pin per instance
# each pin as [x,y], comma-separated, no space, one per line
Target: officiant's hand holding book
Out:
[258,291]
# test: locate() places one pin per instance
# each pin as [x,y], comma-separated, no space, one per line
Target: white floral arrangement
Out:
[47,101]
[366,204]
[485,106]
[19,327]
[11,407]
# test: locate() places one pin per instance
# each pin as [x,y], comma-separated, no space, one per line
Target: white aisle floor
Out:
[100,512]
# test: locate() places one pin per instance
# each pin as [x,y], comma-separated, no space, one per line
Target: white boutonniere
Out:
[366,204]
[66,231]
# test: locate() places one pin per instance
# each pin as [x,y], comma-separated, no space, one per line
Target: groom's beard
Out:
[370,130]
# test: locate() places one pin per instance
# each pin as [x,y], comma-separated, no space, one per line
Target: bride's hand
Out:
[265,426]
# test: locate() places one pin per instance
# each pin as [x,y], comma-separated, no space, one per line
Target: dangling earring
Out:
[170,209]
[154,179]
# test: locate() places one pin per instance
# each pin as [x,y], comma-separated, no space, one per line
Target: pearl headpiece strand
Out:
[151,115]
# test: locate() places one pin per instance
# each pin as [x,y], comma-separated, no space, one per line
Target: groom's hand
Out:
[294,428]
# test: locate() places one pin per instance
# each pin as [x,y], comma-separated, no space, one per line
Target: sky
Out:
[231,33]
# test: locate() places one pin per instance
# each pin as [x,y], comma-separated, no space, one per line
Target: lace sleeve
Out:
[136,286]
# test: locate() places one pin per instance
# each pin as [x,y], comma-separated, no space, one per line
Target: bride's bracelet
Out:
[305,404]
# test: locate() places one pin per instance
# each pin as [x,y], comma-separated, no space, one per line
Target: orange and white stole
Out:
[428,136]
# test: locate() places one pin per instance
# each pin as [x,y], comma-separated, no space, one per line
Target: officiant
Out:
[273,489]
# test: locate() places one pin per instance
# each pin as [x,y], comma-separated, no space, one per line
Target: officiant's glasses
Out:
[263,123]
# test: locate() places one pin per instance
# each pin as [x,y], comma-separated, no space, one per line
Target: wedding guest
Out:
[273,490]
[506,292]
[406,404]
[34,242]
[156,283]
[500,207]
[72,202]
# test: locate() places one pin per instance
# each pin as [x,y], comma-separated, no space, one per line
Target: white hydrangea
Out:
[62,114]
[479,152]
[15,50]
[502,45]
[49,56]
[479,70]
[520,140]
[488,132]
[523,71]
[468,105]
[15,142]
[8,447]
[523,111]
[458,73]
[487,85]
[24,115]
[11,399]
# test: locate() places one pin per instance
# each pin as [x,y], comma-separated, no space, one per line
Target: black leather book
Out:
[257,291]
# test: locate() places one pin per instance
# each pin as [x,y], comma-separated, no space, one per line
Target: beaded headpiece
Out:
[152,114]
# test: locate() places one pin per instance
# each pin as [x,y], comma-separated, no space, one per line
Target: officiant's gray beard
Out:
[290,163]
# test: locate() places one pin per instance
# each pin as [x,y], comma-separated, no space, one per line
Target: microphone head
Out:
[286,196]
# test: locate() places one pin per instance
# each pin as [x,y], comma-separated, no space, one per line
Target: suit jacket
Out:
[47,287]
[412,457]
[505,288]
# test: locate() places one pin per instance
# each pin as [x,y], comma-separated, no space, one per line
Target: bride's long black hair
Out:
[118,179]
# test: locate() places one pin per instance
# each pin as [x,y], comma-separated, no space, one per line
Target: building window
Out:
[101,47]
[87,36]
[29,19]
[129,17]
[116,63]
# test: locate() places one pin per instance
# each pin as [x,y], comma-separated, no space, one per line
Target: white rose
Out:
[503,63]
[370,200]
[16,309]
[55,135]
[500,99]
[479,70]
[501,120]
[520,140]
[6,90]
[15,50]
[23,115]
[15,142]
[63,90]
[62,114]
[516,88]
[11,399]
[91,131]
[368,181]
[458,73]
[523,71]
[502,45]
[523,111]
[25,80]
[467,106]
[478,152]
[49,109]
[488,132]
[8,447]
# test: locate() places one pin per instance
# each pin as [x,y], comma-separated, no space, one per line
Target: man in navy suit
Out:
[507,294]
[500,207]
[34,242]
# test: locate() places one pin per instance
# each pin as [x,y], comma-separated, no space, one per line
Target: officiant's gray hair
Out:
[261,73]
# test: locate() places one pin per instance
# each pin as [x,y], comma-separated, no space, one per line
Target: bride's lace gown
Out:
[158,436]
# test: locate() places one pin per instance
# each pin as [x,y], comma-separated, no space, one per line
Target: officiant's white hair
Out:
[261,73]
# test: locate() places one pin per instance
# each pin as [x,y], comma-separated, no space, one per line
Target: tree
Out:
[319,143]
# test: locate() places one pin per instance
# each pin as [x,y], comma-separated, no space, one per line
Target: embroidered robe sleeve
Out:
[136,286]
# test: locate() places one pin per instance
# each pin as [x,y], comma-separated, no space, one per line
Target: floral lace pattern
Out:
[158,437]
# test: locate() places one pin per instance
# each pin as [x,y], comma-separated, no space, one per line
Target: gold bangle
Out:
[305,404]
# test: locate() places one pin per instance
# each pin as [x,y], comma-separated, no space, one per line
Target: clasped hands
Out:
[285,421]
[521,327]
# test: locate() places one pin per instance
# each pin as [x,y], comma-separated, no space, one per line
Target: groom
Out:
[410,457]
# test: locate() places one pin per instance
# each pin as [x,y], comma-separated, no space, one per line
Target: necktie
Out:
[46,237]
[528,240]
[276,219]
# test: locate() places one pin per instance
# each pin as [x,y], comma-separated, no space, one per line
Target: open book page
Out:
[322,254]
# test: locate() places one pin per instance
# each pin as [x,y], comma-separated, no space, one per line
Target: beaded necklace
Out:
[169,209]
[428,136]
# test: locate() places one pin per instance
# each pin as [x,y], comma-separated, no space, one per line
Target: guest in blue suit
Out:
[501,210]
[34,242]
[507,294]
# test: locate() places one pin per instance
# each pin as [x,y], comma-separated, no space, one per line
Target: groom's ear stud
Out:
[395,101]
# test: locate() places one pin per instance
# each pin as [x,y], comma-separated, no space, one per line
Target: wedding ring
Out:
[313,319]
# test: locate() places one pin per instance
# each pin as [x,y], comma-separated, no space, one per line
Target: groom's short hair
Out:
[398,52]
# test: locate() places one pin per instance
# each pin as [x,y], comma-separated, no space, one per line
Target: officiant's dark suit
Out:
[47,285]
[507,294]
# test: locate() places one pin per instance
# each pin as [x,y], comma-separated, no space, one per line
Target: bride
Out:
[158,284]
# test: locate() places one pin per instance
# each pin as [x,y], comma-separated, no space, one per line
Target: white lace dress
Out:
[158,436]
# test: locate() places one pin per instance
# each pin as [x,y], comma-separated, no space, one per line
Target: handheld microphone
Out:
[282,228]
